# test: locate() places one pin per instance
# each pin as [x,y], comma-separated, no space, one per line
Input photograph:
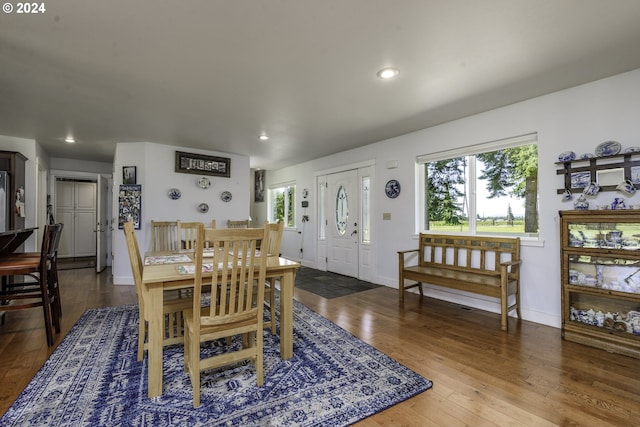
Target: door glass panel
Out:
[322,220]
[342,210]
[366,216]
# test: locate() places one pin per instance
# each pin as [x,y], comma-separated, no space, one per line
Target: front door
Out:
[342,223]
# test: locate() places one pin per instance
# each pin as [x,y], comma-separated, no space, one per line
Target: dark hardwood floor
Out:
[482,376]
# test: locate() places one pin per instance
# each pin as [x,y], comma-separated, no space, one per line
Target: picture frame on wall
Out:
[129,205]
[258,195]
[201,164]
[129,175]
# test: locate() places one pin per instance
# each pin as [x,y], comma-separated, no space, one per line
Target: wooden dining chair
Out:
[243,223]
[187,234]
[275,231]
[164,236]
[38,293]
[173,302]
[237,269]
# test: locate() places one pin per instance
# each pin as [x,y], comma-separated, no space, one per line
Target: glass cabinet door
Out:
[604,235]
[605,272]
[603,312]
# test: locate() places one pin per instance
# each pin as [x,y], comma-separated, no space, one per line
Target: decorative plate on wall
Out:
[204,182]
[567,156]
[608,148]
[203,208]
[174,193]
[392,189]
[226,196]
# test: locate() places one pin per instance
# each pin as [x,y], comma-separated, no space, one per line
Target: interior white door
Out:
[102,224]
[76,209]
[342,223]
[65,204]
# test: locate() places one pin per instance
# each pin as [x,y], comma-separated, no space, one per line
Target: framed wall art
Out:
[130,205]
[129,175]
[201,164]
[259,186]
[610,176]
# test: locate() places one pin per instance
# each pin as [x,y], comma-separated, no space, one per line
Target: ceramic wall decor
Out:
[608,148]
[567,156]
[591,189]
[174,193]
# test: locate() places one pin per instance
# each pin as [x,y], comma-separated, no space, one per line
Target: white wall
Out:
[576,119]
[81,166]
[155,165]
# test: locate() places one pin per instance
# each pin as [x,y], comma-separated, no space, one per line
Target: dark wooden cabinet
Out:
[13,163]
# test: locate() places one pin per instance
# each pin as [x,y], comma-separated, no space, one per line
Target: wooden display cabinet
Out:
[13,163]
[600,274]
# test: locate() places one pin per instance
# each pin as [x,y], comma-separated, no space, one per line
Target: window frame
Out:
[467,151]
[287,189]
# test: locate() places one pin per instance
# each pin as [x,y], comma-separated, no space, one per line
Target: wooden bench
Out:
[482,265]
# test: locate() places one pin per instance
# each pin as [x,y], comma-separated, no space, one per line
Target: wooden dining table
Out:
[158,277]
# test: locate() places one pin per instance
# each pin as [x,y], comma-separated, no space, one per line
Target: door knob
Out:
[354,232]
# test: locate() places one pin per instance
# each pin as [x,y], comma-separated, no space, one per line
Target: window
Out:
[283,201]
[485,189]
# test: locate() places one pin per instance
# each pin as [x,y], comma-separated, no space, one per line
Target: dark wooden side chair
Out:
[44,291]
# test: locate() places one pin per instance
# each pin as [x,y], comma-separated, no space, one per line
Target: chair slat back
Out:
[136,261]
[275,237]
[50,240]
[164,236]
[238,223]
[236,272]
[188,234]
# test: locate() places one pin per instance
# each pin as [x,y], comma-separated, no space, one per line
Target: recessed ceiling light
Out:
[69,140]
[387,73]
[263,137]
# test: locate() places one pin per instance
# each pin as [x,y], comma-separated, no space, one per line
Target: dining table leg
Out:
[287,281]
[155,332]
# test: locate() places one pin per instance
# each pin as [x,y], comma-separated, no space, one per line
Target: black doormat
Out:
[330,285]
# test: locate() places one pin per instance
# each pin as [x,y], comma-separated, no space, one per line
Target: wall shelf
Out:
[575,169]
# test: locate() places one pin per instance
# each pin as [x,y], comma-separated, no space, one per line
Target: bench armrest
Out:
[504,267]
[407,251]
[401,255]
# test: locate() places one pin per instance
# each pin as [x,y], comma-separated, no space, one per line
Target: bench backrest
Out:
[479,254]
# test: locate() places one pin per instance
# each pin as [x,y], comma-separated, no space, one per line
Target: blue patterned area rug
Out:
[93,379]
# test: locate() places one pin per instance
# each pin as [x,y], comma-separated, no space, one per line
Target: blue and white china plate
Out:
[631,150]
[226,196]
[608,148]
[203,208]
[392,189]
[567,156]
[174,194]
[586,156]
[204,182]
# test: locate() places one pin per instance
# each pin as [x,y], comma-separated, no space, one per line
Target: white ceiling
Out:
[215,74]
